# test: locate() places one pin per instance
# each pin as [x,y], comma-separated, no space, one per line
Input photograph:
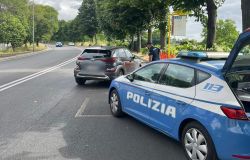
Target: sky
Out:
[231,9]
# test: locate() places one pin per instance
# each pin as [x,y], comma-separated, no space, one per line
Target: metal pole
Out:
[169,33]
[33,32]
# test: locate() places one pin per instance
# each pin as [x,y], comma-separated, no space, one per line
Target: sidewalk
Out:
[141,56]
[20,55]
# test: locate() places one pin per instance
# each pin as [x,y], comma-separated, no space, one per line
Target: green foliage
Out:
[46,22]
[19,9]
[63,32]
[226,32]
[119,19]
[205,11]
[119,43]
[190,45]
[87,18]
[144,51]
[123,18]
[12,30]
[198,7]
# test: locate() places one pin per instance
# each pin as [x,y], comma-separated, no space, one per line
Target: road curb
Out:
[23,55]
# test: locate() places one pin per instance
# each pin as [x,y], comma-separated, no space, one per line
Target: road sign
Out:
[179,24]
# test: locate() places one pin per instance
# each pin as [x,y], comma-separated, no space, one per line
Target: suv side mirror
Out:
[130,77]
[133,57]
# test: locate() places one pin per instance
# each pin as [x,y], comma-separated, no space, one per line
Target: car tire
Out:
[197,143]
[80,81]
[115,104]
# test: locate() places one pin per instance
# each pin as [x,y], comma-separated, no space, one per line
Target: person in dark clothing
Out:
[154,52]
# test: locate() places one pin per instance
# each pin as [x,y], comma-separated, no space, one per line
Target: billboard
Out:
[179,24]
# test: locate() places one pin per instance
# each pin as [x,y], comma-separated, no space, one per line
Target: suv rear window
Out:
[96,52]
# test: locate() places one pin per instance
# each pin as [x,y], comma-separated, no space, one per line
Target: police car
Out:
[200,99]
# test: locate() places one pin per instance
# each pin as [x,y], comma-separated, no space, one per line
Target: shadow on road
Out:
[109,138]
[96,84]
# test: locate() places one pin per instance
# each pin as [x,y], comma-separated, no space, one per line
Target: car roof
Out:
[211,66]
[104,47]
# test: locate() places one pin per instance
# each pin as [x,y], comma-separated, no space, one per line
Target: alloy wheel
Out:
[195,144]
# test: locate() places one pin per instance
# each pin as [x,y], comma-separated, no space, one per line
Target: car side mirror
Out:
[130,77]
[133,57]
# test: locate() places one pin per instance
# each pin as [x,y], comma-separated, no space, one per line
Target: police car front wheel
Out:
[197,142]
[115,104]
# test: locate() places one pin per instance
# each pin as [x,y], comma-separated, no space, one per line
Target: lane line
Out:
[32,76]
[80,111]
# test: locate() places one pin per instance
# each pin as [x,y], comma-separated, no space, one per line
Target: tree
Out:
[63,32]
[11,30]
[19,9]
[163,21]
[121,19]
[156,13]
[88,19]
[200,8]
[245,6]
[227,34]
[46,23]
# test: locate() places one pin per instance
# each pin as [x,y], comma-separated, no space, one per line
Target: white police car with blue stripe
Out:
[200,99]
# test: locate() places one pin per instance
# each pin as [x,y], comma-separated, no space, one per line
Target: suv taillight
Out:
[232,113]
[81,58]
[109,60]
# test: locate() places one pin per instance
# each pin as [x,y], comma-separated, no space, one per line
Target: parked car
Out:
[59,44]
[71,44]
[197,99]
[104,63]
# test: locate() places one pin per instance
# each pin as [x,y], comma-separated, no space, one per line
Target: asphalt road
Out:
[45,115]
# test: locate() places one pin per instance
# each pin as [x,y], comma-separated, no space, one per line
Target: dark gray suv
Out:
[104,63]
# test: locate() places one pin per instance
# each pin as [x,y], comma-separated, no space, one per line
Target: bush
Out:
[144,51]
[119,43]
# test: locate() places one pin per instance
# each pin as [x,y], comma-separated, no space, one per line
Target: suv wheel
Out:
[80,81]
[197,143]
[115,104]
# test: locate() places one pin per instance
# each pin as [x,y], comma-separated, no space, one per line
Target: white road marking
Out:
[32,76]
[80,111]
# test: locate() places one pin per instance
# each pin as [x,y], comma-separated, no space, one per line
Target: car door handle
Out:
[181,103]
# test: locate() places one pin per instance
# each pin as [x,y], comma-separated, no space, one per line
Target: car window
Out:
[149,73]
[122,53]
[128,53]
[96,53]
[242,61]
[178,76]
[202,76]
[116,53]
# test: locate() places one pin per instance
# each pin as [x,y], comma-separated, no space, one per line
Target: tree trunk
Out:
[139,41]
[211,23]
[95,39]
[245,6]
[150,35]
[132,44]
[163,24]
[37,43]
[163,35]
[13,47]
